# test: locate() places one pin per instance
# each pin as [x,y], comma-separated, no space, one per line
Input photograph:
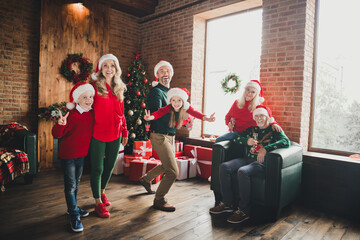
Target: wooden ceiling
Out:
[139,8]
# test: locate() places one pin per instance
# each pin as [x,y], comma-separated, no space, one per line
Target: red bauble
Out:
[143,105]
[138,93]
[128,74]
[130,83]
[145,80]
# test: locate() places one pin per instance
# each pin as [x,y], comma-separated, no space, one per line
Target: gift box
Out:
[179,146]
[127,159]
[139,167]
[187,167]
[119,164]
[142,148]
[203,157]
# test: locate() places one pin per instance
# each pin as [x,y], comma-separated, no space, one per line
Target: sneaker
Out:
[220,208]
[238,217]
[146,185]
[163,205]
[76,224]
[102,211]
[83,213]
[104,200]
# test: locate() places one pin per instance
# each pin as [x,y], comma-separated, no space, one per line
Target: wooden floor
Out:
[37,211]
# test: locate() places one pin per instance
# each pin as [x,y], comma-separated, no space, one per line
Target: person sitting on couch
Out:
[260,140]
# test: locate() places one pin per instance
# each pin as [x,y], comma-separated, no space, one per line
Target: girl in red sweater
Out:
[75,130]
[110,127]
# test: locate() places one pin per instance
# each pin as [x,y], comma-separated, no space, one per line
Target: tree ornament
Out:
[147,126]
[130,83]
[145,80]
[225,82]
[138,93]
[138,122]
[130,112]
[143,105]
[128,75]
[133,135]
[128,101]
[85,68]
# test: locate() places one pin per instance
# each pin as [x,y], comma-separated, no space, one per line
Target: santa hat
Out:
[183,93]
[264,110]
[257,85]
[105,57]
[78,89]
[159,65]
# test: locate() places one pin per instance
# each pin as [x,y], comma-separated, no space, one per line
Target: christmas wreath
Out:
[85,68]
[225,83]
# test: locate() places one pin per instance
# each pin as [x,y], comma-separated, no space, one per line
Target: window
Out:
[336,114]
[233,45]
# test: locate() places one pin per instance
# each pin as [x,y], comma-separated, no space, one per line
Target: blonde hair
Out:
[182,114]
[117,86]
[253,104]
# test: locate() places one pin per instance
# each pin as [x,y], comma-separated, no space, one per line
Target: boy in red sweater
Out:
[75,129]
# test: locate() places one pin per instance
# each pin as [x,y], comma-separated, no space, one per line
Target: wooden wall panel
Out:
[65,28]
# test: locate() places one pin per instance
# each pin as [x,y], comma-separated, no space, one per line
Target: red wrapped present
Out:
[127,159]
[119,164]
[203,157]
[139,167]
[179,146]
[142,148]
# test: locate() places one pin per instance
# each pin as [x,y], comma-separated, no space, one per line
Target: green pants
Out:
[101,168]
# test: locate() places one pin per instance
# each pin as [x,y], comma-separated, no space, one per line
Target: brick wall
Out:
[19,58]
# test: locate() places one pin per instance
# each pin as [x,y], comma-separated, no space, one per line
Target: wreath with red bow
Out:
[85,67]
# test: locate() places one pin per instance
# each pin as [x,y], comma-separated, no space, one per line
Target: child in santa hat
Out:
[177,97]
[75,129]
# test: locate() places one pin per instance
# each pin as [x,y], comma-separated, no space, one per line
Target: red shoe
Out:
[102,211]
[104,200]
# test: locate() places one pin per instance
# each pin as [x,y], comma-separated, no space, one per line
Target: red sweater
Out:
[76,134]
[167,109]
[110,120]
[243,117]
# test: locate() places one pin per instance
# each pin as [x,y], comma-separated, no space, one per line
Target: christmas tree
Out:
[135,103]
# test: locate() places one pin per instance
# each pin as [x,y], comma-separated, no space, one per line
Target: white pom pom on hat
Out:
[257,85]
[183,93]
[78,89]
[264,110]
[107,56]
[159,65]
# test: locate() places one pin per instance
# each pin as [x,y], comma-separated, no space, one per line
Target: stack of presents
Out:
[192,161]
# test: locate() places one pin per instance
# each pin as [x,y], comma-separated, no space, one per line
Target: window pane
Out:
[336,123]
[233,45]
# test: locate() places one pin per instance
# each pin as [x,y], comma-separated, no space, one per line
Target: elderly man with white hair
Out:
[259,140]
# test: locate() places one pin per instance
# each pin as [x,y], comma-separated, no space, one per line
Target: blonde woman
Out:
[109,129]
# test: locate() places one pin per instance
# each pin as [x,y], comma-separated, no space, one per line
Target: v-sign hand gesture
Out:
[63,119]
[147,115]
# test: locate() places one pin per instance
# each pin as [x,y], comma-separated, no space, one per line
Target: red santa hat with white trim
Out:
[264,110]
[78,89]
[183,93]
[104,57]
[257,85]
[159,65]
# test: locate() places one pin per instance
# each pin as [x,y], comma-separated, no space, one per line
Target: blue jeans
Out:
[72,169]
[244,169]
[227,136]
